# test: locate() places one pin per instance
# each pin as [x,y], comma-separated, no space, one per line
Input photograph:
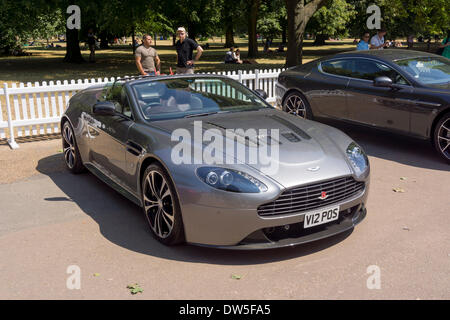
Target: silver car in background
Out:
[124,133]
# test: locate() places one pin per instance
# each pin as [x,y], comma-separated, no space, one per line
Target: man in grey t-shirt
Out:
[147,60]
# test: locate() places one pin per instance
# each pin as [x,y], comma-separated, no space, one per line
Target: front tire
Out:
[161,206]
[295,103]
[72,157]
[441,137]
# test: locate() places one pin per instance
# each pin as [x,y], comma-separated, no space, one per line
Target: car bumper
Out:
[237,229]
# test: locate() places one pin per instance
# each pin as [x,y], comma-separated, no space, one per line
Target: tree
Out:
[299,12]
[331,20]
[272,15]
[252,12]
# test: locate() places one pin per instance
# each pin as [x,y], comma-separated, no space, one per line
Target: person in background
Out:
[410,41]
[91,44]
[237,56]
[185,48]
[446,46]
[230,56]
[147,60]
[363,44]
[377,41]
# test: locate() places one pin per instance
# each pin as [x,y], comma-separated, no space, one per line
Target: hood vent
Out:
[291,126]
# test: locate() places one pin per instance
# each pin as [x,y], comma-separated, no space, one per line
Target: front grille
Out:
[305,198]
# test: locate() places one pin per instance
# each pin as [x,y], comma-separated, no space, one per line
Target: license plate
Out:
[321,216]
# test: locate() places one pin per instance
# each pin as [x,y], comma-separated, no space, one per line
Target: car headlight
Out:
[230,180]
[358,158]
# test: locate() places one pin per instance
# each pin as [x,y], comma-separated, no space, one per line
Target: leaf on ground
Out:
[403,178]
[398,190]
[405,228]
[96,274]
[236,276]
[60,150]
[135,288]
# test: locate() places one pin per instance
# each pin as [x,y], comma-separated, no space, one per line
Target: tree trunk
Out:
[252,19]
[73,52]
[103,41]
[284,34]
[133,40]
[174,39]
[320,39]
[229,37]
[228,21]
[298,16]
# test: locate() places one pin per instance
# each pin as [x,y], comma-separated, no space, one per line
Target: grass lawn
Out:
[46,64]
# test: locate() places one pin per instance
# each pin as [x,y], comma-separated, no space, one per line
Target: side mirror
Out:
[385,82]
[261,93]
[104,108]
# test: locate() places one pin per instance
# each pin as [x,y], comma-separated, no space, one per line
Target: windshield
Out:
[191,97]
[428,71]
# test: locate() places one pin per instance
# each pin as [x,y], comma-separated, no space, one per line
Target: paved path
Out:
[50,219]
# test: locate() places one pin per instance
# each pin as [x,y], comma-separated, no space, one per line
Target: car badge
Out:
[314,169]
[323,195]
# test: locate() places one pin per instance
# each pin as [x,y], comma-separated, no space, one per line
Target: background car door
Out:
[381,107]
[108,151]
[329,94]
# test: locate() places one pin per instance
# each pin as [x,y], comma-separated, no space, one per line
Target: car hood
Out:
[307,151]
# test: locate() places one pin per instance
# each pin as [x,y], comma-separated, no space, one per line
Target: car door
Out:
[329,93]
[381,107]
[109,147]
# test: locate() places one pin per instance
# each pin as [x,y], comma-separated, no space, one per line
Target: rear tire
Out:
[295,103]
[441,137]
[72,157]
[161,206]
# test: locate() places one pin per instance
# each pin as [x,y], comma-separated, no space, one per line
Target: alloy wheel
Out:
[443,137]
[158,204]
[69,146]
[296,106]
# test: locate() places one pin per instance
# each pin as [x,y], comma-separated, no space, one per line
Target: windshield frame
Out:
[245,89]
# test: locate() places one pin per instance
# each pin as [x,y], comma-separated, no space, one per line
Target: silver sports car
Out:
[212,163]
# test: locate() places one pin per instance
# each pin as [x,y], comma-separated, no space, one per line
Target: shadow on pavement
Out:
[394,147]
[122,222]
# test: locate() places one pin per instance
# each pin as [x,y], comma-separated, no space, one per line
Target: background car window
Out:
[338,67]
[369,70]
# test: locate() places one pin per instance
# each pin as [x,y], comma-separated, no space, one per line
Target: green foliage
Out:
[404,17]
[332,19]
[272,14]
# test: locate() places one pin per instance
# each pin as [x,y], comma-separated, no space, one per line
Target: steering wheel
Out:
[147,107]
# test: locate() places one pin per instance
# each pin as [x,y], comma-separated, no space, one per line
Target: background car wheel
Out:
[161,206]
[71,153]
[295,103]
[442,137]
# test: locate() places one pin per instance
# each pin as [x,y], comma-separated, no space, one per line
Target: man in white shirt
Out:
[377,41]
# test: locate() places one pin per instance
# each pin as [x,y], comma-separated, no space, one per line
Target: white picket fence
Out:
[36,109]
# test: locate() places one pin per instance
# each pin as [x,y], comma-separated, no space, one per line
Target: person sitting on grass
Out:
[237,56]
[230,56]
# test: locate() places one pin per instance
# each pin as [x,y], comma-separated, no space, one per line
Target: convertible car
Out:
[128,133]
[403,91]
